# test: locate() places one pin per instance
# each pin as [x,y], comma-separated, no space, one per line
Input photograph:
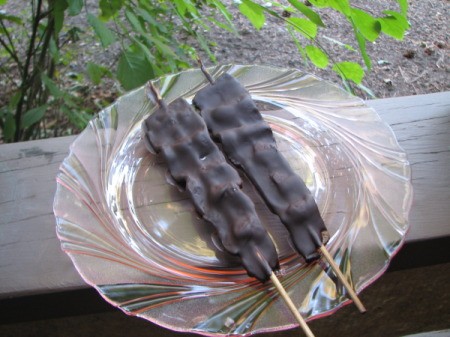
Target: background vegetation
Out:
[155,38]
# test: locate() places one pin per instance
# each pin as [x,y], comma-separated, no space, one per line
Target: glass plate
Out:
[136,238]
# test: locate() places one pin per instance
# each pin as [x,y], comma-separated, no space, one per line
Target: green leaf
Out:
[402,19]
[394,24]
[33,116]
[317,56]
[4,111]
[9,128]
[9,17]
[320,3]
[96,72]
[403,6]
[134,21]
[147,53]
[133,69]
[149,56]
[224,26]
[110,8]
[203,42]
[362,48]
[105,35]
[308,12]
[349,71]
[298,45]
[306,27]
[54,50]
[186,8]
[15,100]
[58,13]
[3,2]
[254,13]
[224,11]
[75,7]
[368,26]
[181,6]
[342,6]
[78,118]
[51,86]
[228,24]
[148,18]
[161,46]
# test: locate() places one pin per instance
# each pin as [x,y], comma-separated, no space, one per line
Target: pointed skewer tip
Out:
[153,93]
[291,305]
[342,278]
[204,71]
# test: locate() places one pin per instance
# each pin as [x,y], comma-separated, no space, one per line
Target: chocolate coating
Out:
[196,164]
[234,120]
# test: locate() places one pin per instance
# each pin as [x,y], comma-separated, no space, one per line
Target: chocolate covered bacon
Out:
[197,165]
[247,140]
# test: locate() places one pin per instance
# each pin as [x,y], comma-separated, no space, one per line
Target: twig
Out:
[419,77]
[25,72]
[440,62]
[403,74]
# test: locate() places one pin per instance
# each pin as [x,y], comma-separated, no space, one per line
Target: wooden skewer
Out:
[342,278]
[291,305]
[155,96]
[285,297]
[204,71]
[155,92]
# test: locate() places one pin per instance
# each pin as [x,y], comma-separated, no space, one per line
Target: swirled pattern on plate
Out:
[136,238]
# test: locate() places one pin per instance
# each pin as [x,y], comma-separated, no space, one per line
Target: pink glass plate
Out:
[137,239]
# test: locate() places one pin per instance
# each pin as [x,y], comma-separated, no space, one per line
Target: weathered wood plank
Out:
[32,262]
[422,127]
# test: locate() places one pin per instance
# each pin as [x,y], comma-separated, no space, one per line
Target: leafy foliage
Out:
[254,12]
[307,23]
[154,38]
[32,47]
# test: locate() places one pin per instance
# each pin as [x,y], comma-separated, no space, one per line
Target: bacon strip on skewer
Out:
[214,186]
[196,164]
[247,140]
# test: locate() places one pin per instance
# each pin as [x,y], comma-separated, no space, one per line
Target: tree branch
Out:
[26,69]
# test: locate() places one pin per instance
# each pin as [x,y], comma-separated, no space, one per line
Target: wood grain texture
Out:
[31,260]
[422,127]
